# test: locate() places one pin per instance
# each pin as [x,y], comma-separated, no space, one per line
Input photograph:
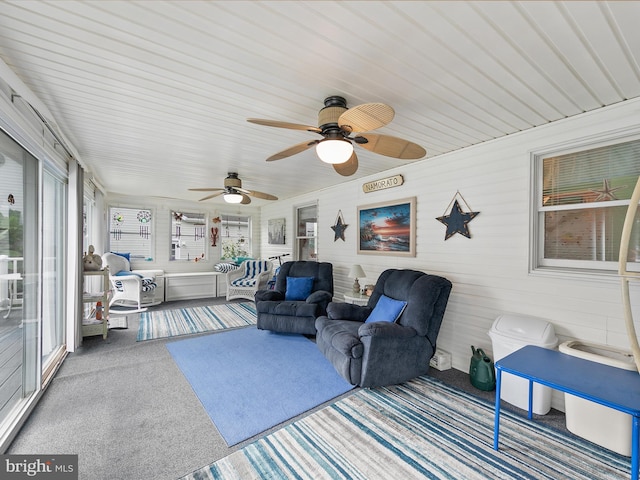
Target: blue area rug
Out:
[249,380]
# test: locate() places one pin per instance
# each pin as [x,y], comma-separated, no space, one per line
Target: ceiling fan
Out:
[336,123]
[233,191]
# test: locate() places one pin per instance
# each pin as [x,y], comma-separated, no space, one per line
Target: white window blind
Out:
[131,231]
[582,200]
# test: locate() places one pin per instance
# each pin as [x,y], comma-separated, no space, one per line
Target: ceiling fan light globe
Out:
[233,197]
[334,150]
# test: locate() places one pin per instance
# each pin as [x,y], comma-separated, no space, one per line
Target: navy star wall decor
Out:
[457,221]
[339,227]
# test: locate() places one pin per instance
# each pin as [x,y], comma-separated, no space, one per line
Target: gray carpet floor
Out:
[125,408]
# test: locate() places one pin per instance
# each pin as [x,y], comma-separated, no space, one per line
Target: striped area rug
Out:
[185,321]
[421,429]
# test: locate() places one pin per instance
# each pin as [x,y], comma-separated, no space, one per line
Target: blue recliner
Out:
[398,341]
[302,292]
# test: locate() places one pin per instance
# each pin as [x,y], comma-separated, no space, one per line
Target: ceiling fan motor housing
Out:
[233,181]
[328,117]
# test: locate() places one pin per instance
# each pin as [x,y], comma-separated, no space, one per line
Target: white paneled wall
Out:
[489,271]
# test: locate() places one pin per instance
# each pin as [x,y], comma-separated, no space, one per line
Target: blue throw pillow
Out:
[126,273]
[298,288]
[386,310]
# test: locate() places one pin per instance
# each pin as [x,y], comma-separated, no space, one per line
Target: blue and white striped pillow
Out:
[225,267]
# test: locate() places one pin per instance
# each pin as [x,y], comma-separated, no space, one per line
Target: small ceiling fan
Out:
[233,191]
[336,123]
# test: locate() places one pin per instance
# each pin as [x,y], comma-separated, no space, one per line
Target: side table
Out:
[356,299]
[612,387]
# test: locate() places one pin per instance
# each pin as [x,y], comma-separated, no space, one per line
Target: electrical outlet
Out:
[441,360]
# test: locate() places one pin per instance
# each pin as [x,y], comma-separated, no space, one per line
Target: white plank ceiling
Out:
[154,95]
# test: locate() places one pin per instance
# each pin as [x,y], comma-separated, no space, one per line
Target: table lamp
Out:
[356,272]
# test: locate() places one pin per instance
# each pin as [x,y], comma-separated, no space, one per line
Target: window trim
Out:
[569,268]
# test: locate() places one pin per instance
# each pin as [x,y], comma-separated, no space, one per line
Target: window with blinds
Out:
[581,203]
[130,231]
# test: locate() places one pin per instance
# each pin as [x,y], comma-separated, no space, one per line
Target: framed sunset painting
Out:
[388,228]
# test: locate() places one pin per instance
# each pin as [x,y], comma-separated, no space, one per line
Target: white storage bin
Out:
[509,333]
[599,424]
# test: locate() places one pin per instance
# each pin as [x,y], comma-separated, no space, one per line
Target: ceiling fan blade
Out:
[276,123]
[365,117]
[205,189]
[300,147]
[245,200]
[349,167]
[392,146]
[264,196]
[211,196]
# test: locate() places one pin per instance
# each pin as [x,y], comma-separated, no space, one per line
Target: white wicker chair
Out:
[252,276]
[129,289]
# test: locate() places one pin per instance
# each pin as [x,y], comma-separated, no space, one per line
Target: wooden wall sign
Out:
[383,183]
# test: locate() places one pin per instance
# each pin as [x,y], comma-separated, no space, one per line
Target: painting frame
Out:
[388,228]
[276,231]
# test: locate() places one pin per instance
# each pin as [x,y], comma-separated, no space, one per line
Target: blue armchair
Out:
[302,292]
[374,346]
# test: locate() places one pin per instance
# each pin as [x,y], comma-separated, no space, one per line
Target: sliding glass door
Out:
[19,278]
[53,268]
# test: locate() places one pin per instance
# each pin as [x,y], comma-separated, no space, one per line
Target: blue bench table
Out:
[613,387]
